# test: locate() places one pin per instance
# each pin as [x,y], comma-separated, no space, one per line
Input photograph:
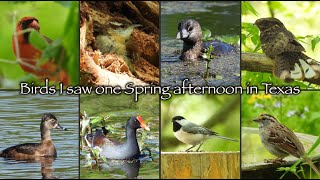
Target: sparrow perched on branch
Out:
[281,46]
[280,140]
[29,57]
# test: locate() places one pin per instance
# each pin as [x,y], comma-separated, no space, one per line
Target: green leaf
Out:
[66,4]
[218,77]
[71,42]
[37,40]
[246,6]
[243,39]
[255,40]
[53,51]
[229,39]
[314,42]
[206,34]
[104,159]
[314,146]
[95,152]
[208,55]
[251,28]
[97,120]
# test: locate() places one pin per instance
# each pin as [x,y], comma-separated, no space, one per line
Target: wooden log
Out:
[200,165]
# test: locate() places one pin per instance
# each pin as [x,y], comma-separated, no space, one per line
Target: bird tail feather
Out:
[230,139]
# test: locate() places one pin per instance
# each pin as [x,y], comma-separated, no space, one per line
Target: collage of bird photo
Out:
[159,90]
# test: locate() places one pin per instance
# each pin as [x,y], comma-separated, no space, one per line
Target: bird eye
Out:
[24,23]
[190,28]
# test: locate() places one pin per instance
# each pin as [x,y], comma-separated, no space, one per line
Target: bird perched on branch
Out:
[281,46]
[29,57]
[280,140]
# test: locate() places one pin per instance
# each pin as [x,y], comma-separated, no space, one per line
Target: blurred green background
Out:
[299,17]
[220,113]
[299,113]
[56,19]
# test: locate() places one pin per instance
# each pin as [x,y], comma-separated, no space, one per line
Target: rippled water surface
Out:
[222,19]
[20,117]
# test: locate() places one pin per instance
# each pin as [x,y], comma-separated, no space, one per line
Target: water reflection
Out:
[46,165]
[20,118]
[119,108]
[129,168]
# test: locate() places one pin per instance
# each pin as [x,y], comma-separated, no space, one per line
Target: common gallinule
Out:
[33,150]
[189,31]
[121,150]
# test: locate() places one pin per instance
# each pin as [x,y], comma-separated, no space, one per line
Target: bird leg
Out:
[189,148]
[199,147]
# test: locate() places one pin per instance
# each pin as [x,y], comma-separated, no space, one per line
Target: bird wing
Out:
[196,129]
[293,44]
[276,40]
[290,144]
[27,148]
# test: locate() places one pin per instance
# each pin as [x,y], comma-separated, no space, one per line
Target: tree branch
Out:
[257,62]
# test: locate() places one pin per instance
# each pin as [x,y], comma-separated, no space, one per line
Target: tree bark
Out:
[257,62]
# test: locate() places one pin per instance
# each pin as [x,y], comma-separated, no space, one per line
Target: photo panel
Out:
[40,137]
[119,137]
[110,90]
[40,41]
[277,132]
[200,131]
[119,43]
[200,42]
[280,44]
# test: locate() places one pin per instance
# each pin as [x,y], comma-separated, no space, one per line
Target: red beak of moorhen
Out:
[142,124]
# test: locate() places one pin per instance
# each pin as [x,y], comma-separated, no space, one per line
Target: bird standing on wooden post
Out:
[193,134]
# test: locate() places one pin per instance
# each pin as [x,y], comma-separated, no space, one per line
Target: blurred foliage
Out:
[298,112]
[256,78]
[201,110]
[298,17]
[120,105]
[58,20]
[206,36]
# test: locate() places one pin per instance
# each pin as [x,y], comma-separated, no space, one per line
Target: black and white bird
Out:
[193,134]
